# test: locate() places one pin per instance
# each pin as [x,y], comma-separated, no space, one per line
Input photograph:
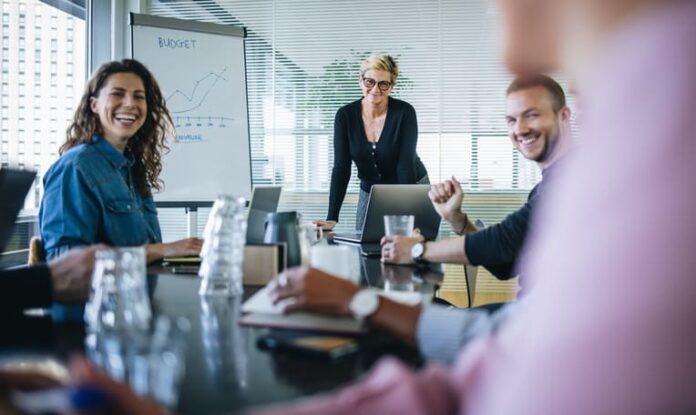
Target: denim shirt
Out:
[90,197]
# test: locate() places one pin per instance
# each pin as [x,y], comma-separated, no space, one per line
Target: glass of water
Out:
[398,225]
[118,299]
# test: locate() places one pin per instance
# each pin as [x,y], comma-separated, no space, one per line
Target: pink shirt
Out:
[608,325]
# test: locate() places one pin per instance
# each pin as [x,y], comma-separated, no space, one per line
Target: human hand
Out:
[71,274]
[313,290]
[397,249]
[26,381]
[326,225]
[447,199]
[183,247]
[416,234]
[122,400]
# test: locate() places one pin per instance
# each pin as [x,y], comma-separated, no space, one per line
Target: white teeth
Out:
[529,140]
[126,118]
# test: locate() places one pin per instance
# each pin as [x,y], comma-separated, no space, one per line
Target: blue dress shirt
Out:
[90,197]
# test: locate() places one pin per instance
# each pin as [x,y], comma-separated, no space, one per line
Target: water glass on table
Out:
[222,252]
[118,299]
[398,225]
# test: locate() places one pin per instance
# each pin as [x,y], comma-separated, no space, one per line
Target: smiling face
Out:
[375,95]
[121,106]
[533,125]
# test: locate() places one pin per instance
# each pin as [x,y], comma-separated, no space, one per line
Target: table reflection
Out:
[223,342]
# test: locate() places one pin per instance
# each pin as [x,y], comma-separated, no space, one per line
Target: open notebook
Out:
[260,311]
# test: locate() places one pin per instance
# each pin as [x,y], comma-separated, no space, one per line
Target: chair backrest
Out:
[36,252]
[471,272]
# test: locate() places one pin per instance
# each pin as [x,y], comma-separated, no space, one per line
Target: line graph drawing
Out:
[201,121]
[181,102]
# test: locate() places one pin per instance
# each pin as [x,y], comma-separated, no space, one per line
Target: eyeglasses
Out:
[382,85]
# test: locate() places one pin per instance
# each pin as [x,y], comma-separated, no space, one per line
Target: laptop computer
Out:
[394,199]
[14,185]
[264,200]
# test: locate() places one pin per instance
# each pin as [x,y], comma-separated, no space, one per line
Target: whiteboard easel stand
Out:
[191,209]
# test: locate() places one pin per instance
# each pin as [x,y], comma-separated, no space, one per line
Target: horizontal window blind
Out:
[303,59]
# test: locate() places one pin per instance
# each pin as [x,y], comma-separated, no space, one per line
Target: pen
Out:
[59,400]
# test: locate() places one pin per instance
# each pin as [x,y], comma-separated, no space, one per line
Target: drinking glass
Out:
[118,299]
[398,225]
[308,236]
[222,252]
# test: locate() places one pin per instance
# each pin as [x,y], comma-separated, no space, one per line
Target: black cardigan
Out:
[394,160]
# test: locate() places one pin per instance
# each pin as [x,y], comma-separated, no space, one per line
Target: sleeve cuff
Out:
[471,241]
[443,331]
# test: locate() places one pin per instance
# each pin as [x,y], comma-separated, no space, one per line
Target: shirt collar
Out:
[114,157]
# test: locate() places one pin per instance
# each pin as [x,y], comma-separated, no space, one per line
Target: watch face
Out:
[364,303]
[417,251]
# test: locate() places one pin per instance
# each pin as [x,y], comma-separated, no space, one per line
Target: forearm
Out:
[447,250]
[461,224]
[398,319]
[155,252]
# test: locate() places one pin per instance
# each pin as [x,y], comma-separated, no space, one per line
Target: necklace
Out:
[373,128]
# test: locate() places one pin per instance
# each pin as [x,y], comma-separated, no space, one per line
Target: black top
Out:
[393,160]
[24,288]
[497,247]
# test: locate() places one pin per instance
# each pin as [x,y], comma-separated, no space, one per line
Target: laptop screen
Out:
[400,199]
[264,200]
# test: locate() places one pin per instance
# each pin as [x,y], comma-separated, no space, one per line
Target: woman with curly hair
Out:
[100,189]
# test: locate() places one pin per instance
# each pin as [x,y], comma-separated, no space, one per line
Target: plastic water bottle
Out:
[223,248]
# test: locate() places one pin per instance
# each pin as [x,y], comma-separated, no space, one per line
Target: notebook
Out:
[259,310]
[14,185]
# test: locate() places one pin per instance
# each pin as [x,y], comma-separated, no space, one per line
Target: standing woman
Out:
[379,134]
[100,189]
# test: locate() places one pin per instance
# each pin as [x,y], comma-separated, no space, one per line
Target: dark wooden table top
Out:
[225,370]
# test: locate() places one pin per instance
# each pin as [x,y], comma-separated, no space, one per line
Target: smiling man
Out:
[538,124]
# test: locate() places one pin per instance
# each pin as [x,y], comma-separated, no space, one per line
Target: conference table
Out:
[225,370]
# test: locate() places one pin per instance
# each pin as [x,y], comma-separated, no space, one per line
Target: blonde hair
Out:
[380,63]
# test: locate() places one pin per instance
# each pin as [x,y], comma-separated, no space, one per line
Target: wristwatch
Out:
[363,304]
[417,251]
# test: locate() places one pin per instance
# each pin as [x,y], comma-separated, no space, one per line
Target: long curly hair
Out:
[148,145]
